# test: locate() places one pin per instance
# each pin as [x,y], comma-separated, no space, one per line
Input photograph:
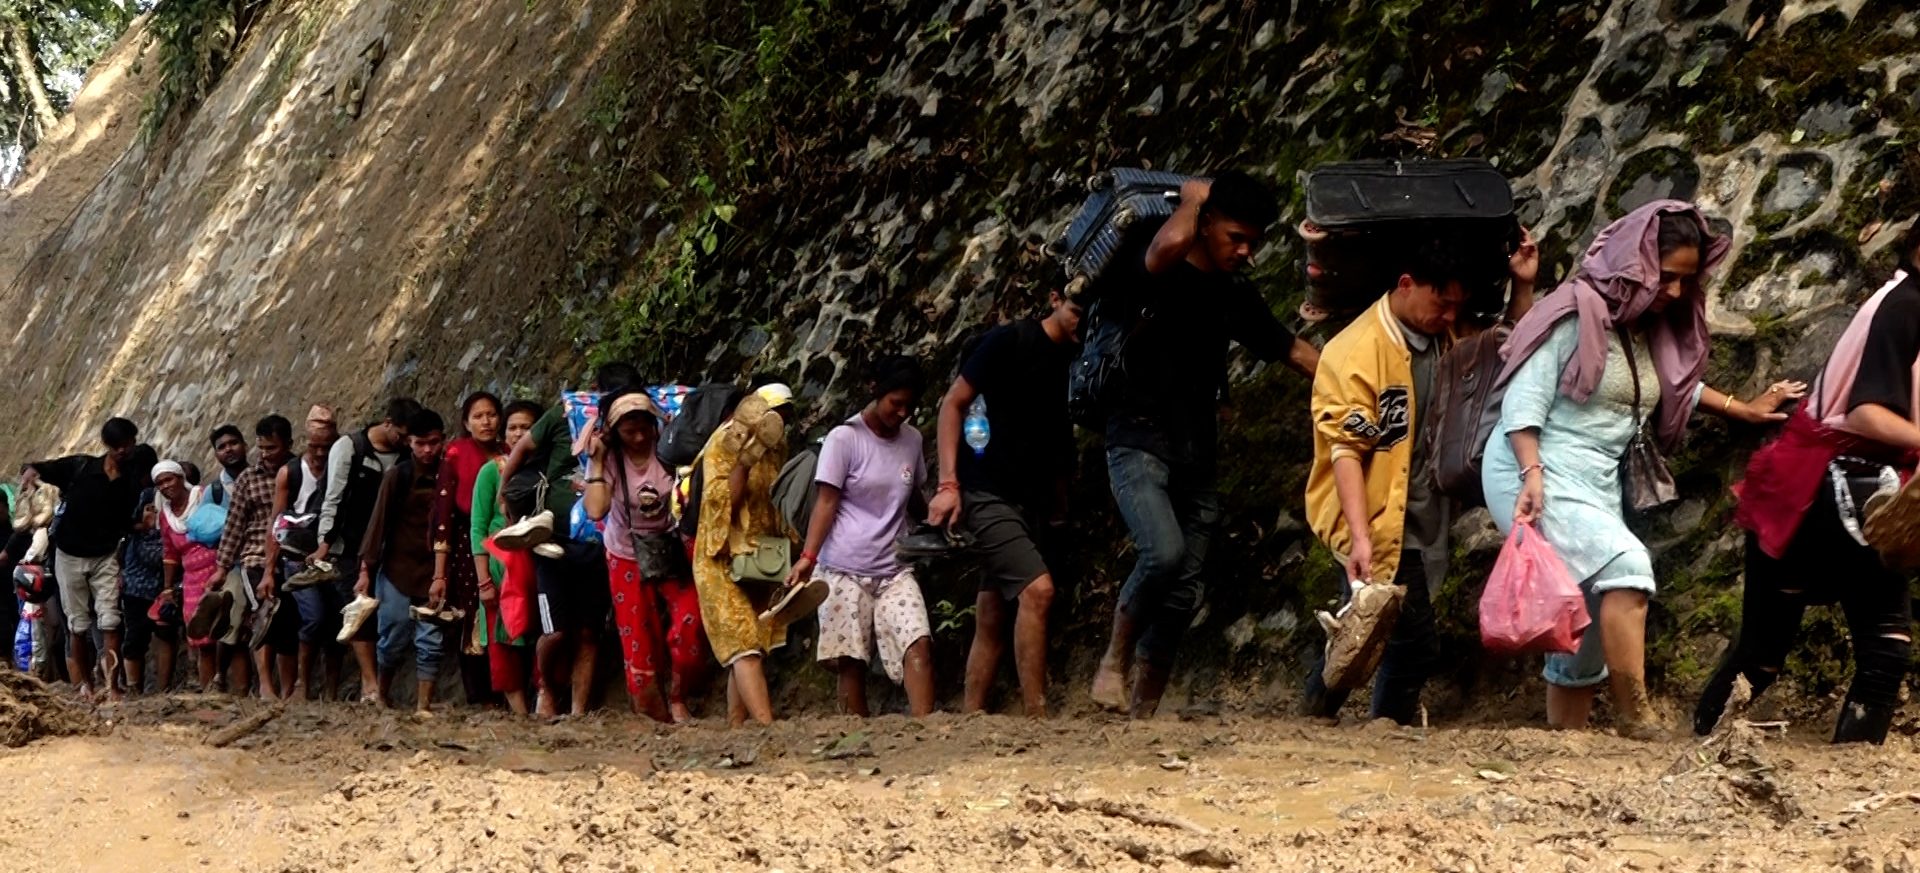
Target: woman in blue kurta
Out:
[1570,412]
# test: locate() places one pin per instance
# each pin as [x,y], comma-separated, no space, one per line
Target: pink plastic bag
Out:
[1531,603]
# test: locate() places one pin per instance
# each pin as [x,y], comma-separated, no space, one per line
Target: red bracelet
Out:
[809,556]
[946,486]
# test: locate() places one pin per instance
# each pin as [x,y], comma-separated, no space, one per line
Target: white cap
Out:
[776,395]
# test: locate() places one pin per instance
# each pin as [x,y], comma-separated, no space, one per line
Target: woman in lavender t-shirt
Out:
[869,477]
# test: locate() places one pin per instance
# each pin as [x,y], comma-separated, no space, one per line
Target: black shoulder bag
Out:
[660,555]
[1645,481]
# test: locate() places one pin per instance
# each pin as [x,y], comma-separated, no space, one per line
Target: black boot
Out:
[1860,723]
[1713,698]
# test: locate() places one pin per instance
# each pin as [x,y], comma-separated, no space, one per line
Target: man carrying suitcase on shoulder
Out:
[1370,495]
[1189,301]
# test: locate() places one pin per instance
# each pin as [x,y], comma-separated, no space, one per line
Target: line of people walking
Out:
[510,549]
[681,526]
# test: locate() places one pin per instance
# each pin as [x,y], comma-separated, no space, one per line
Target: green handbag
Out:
[767,565]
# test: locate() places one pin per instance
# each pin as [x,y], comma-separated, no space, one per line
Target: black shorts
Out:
[138,631]
[573,588]
[1007,543]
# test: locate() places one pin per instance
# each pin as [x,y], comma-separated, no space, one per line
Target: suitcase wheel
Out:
[1076,285]
[1098,182]
[1124,217]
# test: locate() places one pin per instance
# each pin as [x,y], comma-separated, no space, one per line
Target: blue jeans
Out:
[1172,515]
[319,606]
[397,629]
[1406,664]
[1586,667]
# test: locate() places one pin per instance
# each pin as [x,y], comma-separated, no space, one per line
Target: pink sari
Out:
[198,564]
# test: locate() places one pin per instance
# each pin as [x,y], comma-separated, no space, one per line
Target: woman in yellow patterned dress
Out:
[742,458]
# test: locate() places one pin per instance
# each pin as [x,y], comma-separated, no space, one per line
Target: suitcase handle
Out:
[1360,195]
[1462,190]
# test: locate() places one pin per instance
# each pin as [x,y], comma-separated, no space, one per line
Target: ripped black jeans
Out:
[1823,565]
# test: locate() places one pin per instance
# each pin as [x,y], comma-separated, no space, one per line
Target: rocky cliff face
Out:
[432,197]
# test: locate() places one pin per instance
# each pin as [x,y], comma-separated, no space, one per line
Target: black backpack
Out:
[795,490]
[302,538]
[522,493]
[1123,211]
[700,415]
[1098,376]
[297,476]
[689,524]
[357,497]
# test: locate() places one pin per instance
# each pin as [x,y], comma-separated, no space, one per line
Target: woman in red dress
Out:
[452,521]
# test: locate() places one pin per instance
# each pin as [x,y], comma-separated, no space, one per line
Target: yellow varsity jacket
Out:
[1363,408]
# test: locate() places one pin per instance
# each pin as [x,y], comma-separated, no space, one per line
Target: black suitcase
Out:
[1363,215]
[1118,200]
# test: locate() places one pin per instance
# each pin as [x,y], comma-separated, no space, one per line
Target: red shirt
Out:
[453,505]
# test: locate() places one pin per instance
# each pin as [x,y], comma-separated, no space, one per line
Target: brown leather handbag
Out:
[1465,411]
[1645,481]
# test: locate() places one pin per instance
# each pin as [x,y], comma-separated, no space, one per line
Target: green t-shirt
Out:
[487,519]
[553,454]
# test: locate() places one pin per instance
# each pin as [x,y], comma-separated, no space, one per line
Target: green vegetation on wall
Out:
[728,139]
[192,42]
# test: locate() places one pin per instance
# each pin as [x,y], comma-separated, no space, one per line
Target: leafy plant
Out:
[664,308]
[194,41]
[948,618]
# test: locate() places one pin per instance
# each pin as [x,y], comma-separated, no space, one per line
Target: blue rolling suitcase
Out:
[1119,201]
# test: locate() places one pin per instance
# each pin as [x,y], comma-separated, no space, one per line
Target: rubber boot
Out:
[1860,723]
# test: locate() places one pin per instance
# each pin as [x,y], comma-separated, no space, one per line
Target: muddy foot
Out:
[1109,688]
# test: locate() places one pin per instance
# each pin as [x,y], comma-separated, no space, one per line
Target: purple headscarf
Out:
[1615,283]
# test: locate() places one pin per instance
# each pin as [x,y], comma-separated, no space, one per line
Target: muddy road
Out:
[333,787]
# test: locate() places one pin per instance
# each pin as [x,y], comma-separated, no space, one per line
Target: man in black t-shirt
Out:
[1189,301]
[100,493]
[1011,491]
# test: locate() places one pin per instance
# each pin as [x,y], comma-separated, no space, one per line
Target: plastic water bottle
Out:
[23,644]
[977,431]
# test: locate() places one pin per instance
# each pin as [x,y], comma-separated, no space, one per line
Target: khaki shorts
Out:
[240,583]
[89,588]
[863,612]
